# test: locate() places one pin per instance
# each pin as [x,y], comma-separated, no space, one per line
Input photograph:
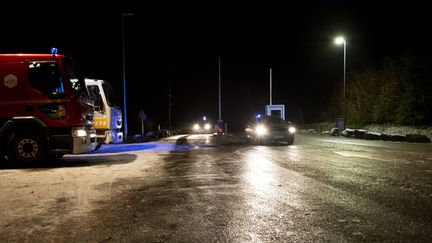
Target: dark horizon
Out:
[181,43]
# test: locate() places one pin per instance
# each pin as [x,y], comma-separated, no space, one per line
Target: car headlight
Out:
[196,127]
[260,130]
[292,129]
[207,126]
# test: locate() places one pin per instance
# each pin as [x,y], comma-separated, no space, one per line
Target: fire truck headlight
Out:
[79,133]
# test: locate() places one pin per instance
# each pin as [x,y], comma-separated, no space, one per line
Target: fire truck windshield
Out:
[76,78]
[109,93]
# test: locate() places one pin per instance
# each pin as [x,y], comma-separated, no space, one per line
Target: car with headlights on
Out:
[202,125]
[270,129]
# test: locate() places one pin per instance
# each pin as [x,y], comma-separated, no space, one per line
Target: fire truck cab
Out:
[45,108]
[108,115]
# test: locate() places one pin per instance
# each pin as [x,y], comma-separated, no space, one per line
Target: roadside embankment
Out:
[374,132]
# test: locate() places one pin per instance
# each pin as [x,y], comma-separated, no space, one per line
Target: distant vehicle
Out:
[107,115]
[163,133]
[203,125]
[270,129]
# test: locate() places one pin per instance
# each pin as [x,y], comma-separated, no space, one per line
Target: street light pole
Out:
[124,78]
[271,98]
[339,41]
[169,105]
[220,129]
[219,85]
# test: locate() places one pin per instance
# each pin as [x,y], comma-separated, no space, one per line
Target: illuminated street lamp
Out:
[339,41]
[124,79]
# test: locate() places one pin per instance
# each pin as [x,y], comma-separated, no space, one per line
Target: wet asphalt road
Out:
[321,189]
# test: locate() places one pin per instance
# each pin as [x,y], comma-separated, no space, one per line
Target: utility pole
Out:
[220,112]
[220,124]
[123,15]
[169,105]
[271,87]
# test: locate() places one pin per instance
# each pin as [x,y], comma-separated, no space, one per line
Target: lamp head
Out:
[339,40]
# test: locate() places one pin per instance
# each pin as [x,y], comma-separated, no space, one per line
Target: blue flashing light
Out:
[258,116]
[54,51]
[204,118]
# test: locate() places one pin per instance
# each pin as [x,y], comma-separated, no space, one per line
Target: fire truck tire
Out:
[27,147]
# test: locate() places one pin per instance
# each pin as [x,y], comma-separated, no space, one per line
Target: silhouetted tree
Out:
[362,93]
[416,102]
[399,91]
[392,79]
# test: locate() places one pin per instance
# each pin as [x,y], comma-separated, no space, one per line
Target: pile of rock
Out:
[364,134]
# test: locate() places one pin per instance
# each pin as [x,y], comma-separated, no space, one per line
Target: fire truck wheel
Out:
[27,147]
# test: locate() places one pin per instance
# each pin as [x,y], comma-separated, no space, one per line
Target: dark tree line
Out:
[399,91]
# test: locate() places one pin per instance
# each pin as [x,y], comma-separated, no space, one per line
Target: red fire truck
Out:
[45,108]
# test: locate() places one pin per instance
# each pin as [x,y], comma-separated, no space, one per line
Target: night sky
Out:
[180,43]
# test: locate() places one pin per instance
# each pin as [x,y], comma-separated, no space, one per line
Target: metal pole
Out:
[169,105]
[142,126]
[344,79]
[271,86]
[124,78]
[220,113]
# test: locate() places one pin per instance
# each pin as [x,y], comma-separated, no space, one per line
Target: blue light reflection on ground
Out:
[150,147]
